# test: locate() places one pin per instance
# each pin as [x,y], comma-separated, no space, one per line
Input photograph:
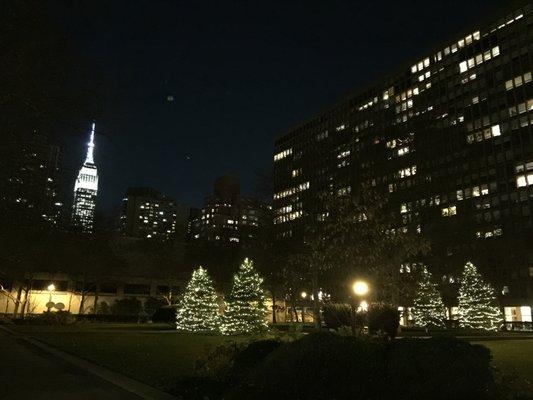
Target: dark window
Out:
[108,288]
[136,289]
[87,287]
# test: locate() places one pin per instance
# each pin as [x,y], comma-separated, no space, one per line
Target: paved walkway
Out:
[27,372]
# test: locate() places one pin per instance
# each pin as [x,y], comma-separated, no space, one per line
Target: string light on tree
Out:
[198,309]
[246,309]
[428,309]
[478,307]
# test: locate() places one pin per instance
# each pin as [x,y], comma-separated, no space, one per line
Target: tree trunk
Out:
[273,308]
[82,303]
[81,311]
[96,293]
[24,302]
[293,303]
[17,302]
[316,300]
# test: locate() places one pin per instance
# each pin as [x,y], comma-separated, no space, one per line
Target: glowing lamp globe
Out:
[360,288]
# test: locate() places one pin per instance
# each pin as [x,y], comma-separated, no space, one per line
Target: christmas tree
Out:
[428,308]
[198,309]
[246,309]
[478,307]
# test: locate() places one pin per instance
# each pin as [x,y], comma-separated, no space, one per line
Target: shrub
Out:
[336,315]
[103,308]
[216,362]
[251,356]
[327,366]
[318,366]
[165,314]
[127,306]
[51,318]
[383,320]
[151,305]
[438,368]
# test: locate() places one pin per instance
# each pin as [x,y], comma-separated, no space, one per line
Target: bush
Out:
[327,366]
[438,368]
[336,315]
[128,306]
[151,305]
[103,308]
[165,314]
[383,320]
[49,318]
[250,357]
[318,366]
[216,362]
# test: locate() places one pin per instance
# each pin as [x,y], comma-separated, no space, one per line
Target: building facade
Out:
[227,217]
[69,293]
[29,181]
[449,138]
[86,192]
[146,213]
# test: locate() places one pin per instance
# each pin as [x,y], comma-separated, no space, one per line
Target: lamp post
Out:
[304,296]
[51,287]
[360,289]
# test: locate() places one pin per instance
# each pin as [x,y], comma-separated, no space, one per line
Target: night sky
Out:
[240,74]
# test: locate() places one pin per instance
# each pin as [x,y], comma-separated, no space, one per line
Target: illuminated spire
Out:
[90,148]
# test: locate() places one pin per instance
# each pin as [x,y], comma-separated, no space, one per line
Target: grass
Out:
[512,356]
[149,353]
[158,355]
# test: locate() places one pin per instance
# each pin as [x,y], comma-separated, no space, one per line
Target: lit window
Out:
[449,211]
[282,154]
[525,311]
[495,130]
[521,181]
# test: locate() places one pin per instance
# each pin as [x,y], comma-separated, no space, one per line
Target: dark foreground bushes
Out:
[323,366]
[328,366]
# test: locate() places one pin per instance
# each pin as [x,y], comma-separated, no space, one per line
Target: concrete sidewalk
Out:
[33,370]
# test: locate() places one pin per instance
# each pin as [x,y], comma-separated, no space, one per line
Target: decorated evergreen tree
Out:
[478,308]
[246,309]
[428,309]
[198,309]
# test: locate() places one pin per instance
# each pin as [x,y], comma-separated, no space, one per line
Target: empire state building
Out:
[85,192]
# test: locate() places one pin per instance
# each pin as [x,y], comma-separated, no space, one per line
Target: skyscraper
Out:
[450,139]
[146,213]
[29,175]
[228,217]
[85,192]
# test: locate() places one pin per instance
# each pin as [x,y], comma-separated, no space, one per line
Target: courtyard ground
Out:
[158,355]
[153,354]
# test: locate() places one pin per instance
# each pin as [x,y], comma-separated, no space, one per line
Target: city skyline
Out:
[172,122]
[267,200]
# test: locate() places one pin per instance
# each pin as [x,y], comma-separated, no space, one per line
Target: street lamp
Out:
[360,289]
[304,296]
[51,287]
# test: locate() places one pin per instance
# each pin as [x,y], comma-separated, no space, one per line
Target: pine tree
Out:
[198,309]
[246,309]
[478,308]
[428,308]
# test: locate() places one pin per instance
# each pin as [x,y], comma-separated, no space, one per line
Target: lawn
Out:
[158,355]
[512,356]
[149,353]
